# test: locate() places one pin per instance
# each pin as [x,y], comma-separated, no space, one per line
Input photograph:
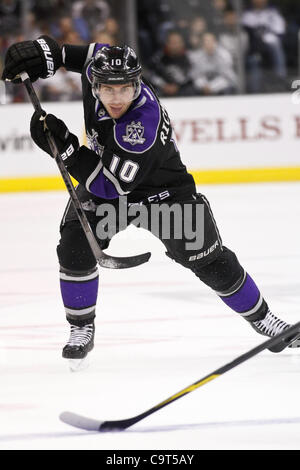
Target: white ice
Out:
[158,330]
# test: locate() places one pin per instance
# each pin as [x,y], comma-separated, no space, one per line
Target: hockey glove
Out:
[40,59]
[67,144]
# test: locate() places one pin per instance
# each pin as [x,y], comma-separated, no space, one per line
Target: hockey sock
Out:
[245,298]
[79,292]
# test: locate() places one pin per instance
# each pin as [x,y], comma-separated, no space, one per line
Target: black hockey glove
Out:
[40,59]
[67,143]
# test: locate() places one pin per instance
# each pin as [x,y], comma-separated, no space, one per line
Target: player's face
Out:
[116,98]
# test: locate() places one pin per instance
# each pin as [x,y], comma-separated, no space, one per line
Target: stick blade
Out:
[81,422]
[114,262]
[90,424]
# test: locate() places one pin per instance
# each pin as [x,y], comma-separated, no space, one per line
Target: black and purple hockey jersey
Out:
[135,155]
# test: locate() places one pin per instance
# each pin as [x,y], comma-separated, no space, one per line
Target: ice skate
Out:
[80,343]
[271,326]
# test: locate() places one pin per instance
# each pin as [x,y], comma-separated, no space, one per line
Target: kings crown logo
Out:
[134,133]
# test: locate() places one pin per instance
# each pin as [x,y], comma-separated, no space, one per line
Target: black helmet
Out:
[115,65]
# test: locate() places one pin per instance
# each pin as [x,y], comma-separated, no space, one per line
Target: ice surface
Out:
[158,330]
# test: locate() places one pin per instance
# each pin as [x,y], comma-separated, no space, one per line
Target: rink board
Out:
[221,140]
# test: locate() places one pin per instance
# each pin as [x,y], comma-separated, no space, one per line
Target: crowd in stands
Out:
[187,48]
[69,22]
[198,48]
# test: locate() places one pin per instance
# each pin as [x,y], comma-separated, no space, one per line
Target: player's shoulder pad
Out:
[137,130]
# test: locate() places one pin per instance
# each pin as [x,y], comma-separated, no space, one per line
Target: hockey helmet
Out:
[115,65]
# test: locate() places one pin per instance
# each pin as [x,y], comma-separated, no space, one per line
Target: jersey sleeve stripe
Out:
[102,184]
[102,187]
[63,54]
[115,181]
[93,175]
[90,52]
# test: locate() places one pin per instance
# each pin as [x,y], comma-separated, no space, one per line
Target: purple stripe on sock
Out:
[79,294]
[245,298]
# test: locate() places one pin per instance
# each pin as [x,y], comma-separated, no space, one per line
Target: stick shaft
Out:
[123,424]
[91,424]
[230,365]
[103,259]
[96,250]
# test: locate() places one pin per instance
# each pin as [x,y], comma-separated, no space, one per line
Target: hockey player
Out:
[132,153]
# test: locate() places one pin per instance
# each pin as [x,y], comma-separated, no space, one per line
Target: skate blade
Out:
[77,365]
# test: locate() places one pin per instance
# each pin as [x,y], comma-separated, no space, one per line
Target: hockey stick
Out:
[104,260]
[275,344]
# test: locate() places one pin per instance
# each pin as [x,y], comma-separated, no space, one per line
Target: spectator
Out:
[63,86]
[72,37]
[32,27]
[171,69]
[89,16]
[103,37]
[291,12]
[112,28]
[186,10]
[47,12]
[229,38]
[216,18]
[10,16]
[198,27]
[266,27]
[212,68]
[3,48]
[66,29]
[184,13]
[154,21]
[49,9]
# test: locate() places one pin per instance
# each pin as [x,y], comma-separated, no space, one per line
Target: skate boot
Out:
[80,343]
[270,326]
